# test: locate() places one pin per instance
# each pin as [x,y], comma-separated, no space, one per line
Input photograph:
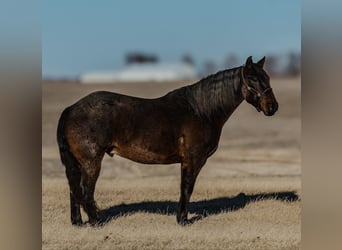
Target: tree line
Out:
[285,64]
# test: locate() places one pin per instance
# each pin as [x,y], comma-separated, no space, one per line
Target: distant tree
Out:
[138,57]
[209,67]
[294,64]
[231,61]
[187,58]
[271,64]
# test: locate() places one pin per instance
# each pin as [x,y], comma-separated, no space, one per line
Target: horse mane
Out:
[218,92]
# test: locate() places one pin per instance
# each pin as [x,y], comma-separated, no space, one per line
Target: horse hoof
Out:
[183,222]
[95,223]
[77,223]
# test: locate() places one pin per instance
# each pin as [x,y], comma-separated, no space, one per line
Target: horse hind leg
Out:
[74,178]
[89,177]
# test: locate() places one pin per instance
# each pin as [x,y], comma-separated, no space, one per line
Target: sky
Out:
[81,35]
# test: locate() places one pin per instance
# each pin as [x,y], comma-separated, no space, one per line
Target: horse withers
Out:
[183,126]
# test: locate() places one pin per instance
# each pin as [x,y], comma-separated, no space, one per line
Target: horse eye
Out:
[253,78]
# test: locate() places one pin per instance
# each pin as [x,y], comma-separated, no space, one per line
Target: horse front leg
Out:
[189,173]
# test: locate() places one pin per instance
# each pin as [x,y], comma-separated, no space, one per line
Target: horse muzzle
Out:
[270,108]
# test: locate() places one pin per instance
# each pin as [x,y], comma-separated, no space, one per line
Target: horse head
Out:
[256,88]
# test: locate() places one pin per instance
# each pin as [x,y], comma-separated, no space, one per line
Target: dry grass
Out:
[258,156]
[143,224]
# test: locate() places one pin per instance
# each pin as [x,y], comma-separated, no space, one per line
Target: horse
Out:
[183,126]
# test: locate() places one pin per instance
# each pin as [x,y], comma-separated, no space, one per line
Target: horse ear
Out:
[249,62]
[261,62]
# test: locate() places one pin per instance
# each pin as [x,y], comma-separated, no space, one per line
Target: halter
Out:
[251,89]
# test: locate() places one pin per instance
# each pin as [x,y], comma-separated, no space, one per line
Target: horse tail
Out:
[67,158]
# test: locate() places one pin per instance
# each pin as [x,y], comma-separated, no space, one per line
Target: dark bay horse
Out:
[183,126]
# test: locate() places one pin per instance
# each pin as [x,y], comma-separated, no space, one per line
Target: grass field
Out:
[247,196]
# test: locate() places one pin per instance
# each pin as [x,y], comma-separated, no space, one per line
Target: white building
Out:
[142,72]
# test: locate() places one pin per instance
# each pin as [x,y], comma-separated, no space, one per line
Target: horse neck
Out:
[217,96]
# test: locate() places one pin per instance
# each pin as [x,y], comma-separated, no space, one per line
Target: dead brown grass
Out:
[263,224]
[257,155]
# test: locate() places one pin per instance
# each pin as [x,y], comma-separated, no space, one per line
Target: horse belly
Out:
[143,154]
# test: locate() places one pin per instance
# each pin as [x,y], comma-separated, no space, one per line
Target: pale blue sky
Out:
[82,35]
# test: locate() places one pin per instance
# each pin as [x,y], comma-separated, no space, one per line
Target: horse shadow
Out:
[201,209]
